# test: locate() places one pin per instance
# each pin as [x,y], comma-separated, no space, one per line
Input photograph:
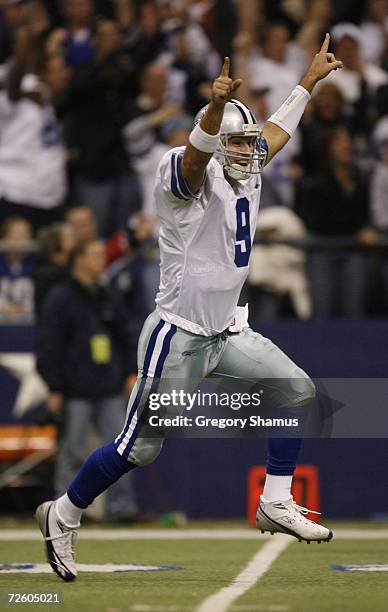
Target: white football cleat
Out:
[288,517]
[59,541]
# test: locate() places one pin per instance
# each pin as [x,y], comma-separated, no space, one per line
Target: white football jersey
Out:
[32,156]
[205,242]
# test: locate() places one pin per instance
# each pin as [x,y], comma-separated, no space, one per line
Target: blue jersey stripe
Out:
[175,188]
[182,183]
[173,178]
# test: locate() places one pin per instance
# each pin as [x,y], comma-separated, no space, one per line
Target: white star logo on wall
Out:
[32,390]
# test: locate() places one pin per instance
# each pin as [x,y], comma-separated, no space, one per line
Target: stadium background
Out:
[344,339]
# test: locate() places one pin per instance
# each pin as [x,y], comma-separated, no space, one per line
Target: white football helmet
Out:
[238,120]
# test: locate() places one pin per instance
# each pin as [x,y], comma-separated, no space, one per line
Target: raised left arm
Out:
[281,125]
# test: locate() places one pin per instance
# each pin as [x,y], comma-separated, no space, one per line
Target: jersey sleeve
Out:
[171,178]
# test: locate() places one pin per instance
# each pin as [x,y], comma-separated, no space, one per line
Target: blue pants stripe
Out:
[158,372]
[147,360]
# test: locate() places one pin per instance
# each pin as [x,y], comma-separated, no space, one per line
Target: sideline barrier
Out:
[20,441]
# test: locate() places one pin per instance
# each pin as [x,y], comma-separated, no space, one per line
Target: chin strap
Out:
[234,172]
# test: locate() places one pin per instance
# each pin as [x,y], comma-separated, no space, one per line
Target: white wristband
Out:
[207,143]
[290,113]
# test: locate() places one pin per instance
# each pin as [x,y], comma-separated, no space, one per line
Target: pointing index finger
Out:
[225,67]
[325,44]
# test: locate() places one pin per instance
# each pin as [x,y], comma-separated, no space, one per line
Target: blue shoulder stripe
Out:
[175,186]
[182,183]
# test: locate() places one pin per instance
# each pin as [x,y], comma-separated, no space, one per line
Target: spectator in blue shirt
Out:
[16,269]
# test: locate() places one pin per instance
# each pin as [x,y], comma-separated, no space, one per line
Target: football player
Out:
[207,197]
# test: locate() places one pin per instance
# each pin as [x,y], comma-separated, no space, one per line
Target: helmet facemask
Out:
[253,161]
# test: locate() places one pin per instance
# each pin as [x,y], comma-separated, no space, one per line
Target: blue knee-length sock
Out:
[100,470]
[281,463]
[283,455]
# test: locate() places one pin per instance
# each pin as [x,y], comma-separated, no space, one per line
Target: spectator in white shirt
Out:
[355,74]
[379,182]
[32,155]
[374,31]
[278,68]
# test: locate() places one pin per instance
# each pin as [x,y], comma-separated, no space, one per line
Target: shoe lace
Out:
[303,510]
[72,539]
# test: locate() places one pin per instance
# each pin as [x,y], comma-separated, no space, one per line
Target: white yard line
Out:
[174,608]
[256,568]
[16,535]
[360,534]
[142,534]
[106,568]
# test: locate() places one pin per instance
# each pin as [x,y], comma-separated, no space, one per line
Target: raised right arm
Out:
[205,135]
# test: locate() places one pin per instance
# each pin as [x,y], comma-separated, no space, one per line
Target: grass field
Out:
[205,560]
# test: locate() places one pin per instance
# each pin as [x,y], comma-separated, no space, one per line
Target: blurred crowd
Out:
[93,92]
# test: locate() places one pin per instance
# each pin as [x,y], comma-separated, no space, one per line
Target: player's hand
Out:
[323,62]
[224,87]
